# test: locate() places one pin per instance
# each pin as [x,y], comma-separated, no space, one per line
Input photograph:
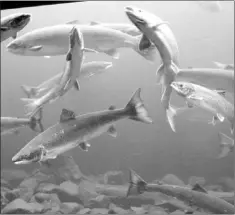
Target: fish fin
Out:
[195,97]
[90,50]
[220,117]
[219,65]
[14,36]
[48,57]
[30,91]
[4,28]
[199,188]
[74,22]
[113,53]
[189,104]
[226,145]
[112,131]
[213,121]
[94,23]
[136,108]
[221,92]
[112,107]
[76,85]
[16,132]
[189,211]
[144,43]
[37,121]
[35,48]
[84,146]
[135,181]
[171,113]
[67,115]
[159,73]
[31,106]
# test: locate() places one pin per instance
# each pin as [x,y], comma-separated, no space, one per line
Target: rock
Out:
[4,200]
[84,211]
[154,209]
[173,180]
[114,209]
[5,184]
[13,176]
[19,206]
[177,213]
[99,202]
[195,179]
[70,207]
[99,211]
[12,195]
[46,188]
[139,210]
[227,183]
[114,178]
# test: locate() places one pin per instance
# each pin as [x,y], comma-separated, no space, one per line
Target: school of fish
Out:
[148,35]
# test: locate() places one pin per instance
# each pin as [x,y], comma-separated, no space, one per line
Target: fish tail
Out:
[226,145]
[136,109]
[135,181]
[30,91]
[31,107]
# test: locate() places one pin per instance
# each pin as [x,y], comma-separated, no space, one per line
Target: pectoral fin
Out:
[76,85]
[66,115]
[112,131]
[199,188]
[90,50]
[74,22]
[221,92]
[15,35]
[195,97]
[84,146]
[94,23]
[35,48]
[220,117]
[189,104]
[112,52]
[144,43]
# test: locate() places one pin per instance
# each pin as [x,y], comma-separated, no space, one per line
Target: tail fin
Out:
[136,109]
[37,121]
[226,145]
[135,181]
[31,107]
[30,91]
[150,52]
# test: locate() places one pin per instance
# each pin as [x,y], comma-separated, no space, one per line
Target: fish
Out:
[12,125]
[213,101]
[211,78]
[158,32]
[224,66]
[226,145]
[88,70]
[72,131]
[123,27]
[74,59]
[197,197]
[12,24]
[52,41]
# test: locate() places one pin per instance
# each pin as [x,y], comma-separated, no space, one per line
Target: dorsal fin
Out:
[74,22]
[112,107]
[221,92]
[94,23]
[66,115]
[199,188]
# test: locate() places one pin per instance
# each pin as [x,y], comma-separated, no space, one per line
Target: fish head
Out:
[18,21]
[25,156]
[76,38]
[183,89]
[142,19]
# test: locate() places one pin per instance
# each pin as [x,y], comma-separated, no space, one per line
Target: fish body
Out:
[226,145]
[196,197]
[208,77]
[12,24]
[158,32]
[12,125]
[87,70]
[72,131]
[52,41]
[74,59]
[210,100]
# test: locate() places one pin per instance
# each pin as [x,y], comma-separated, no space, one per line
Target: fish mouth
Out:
[75,37]
[132,12]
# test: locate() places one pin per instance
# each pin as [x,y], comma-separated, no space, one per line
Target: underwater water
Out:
[153,150]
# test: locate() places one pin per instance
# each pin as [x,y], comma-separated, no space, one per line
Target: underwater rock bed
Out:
[63,189]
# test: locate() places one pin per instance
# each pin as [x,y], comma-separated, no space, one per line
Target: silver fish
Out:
[207,99]
[87,70]
[158,32]
[74,59]
[12,24]
[12,125]
[52,41]
[196,197]
[72,131]
[226,145]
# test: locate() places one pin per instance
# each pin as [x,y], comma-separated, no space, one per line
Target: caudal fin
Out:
[226,145]
[136,109]
[30,91]
[136,182]
[37,120]
[31,107]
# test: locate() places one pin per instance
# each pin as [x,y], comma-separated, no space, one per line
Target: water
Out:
[152,150]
